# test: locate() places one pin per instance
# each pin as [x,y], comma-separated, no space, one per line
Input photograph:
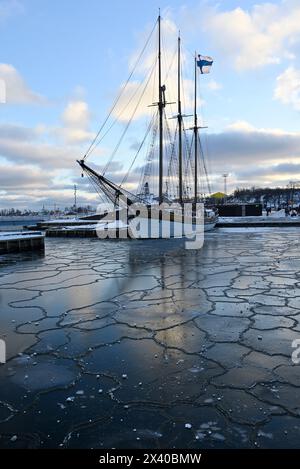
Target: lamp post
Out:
[75,197]
[293,185]
[225,176]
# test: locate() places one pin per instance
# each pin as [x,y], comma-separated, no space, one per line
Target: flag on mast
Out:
[204,63]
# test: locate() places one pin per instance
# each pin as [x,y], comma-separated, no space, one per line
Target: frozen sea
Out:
[144,344]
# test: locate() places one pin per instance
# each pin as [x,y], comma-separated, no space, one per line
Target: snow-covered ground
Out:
[274,217]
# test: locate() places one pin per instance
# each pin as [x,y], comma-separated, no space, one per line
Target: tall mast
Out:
[160,109]
[179,116]
[195,136]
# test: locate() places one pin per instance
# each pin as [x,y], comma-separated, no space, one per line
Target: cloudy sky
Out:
[62,63]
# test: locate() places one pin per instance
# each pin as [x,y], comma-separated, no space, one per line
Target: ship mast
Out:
[195,137]
[161,105]
[179,117]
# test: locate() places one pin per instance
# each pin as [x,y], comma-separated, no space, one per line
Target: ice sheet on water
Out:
[43,375]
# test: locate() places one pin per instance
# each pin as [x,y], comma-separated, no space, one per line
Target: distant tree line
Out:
[279,197]
[13,212]
[276,195]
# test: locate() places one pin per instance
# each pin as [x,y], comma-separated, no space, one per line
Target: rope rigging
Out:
[146,175]
[138,152]
[130,120]
[90,148]
[148,181]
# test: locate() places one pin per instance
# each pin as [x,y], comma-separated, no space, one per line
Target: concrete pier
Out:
[21,241]
[263,221]
[71,233]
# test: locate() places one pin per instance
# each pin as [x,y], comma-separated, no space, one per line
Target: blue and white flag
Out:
[204,63]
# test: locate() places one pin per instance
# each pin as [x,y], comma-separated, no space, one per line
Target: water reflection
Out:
[12,258]
[147,341]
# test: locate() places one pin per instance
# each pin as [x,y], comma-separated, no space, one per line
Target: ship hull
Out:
[160,227]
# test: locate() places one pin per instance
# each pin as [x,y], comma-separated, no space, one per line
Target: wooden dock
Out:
[18,241]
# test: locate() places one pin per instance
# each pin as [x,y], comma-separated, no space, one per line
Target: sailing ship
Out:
[160,214]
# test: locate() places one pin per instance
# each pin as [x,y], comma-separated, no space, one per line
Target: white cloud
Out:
[213,85]
[76,114]
[16,89]
[260,144]
[254,156]
[246,127]
[36,167]
[34,171]
[76,119]
[139,93]
[44,155]
[253,38]
[19,132]
[240,126]
[287,88]
[2,91]
[25,145]
[22,178]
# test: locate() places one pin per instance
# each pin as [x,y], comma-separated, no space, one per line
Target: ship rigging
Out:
[178,157]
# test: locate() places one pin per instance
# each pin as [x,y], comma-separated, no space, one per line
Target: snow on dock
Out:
[88,230]
[15,241]
[272,220]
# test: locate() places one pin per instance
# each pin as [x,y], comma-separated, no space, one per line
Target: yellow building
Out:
[218,195]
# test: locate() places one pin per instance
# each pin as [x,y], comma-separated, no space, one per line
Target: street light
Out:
[225,176]
[293,185]
[75,197]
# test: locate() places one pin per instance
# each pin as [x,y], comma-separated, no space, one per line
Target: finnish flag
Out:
[204,63]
